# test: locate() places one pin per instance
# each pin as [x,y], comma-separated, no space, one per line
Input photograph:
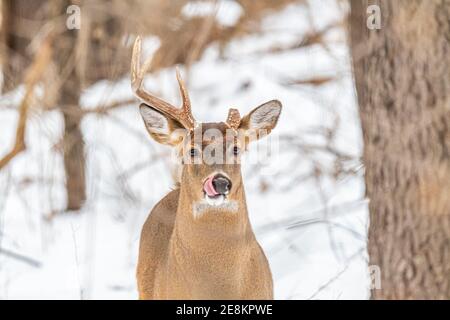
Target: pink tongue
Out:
[209,188]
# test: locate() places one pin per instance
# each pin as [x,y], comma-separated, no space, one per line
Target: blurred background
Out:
[79,174]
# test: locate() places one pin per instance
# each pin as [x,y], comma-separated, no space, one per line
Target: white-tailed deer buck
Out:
[197,242]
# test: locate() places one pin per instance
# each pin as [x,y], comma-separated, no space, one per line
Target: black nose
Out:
[221,184]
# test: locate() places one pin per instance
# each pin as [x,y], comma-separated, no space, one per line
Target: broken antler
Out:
[234,119]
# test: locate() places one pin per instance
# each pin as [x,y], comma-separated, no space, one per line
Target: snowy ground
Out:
[312,229]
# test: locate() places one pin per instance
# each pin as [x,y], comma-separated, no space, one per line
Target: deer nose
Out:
[221,184]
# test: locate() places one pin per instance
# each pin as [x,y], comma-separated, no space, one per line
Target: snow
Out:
[313,230]
[227,13]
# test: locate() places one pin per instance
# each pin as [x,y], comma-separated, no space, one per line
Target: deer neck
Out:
[211,252]
[215,233]
[200,226]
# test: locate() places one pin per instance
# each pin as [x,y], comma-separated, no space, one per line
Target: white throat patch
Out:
[219,204]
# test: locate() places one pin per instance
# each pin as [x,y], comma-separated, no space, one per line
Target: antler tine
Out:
[137,74]
[185,97]
[182,115]
[135,62]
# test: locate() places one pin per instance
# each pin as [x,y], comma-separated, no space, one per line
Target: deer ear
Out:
[261,120]
[159,126]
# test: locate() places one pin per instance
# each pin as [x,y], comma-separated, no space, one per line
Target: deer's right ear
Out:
[160,127]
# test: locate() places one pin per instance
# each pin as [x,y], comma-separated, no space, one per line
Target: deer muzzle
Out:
[216,185]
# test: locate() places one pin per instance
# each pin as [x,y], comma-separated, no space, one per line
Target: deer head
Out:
[209,153]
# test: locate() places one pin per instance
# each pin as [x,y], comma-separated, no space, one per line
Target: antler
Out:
[183,114]
[233,119]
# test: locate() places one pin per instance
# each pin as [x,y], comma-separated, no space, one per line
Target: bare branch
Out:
[102,109]
[337,276]
[32,76]
[17,256]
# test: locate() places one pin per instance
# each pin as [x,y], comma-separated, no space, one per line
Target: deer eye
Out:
[236,150]
[193,152]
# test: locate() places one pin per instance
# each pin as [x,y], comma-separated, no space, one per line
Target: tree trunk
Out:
[73,142]
[82,57]
[3,41]
[15,38]
[402,74]
[19,15]
[74,153]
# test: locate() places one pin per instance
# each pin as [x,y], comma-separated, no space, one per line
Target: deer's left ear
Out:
[261,120]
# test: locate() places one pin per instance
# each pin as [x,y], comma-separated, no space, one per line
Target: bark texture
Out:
[402,74]
[68,102]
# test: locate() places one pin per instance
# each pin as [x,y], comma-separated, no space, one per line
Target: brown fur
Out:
[214,255]
[179,261]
